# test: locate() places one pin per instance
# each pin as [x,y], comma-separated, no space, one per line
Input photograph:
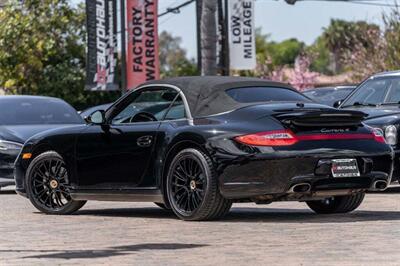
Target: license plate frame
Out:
[342,168]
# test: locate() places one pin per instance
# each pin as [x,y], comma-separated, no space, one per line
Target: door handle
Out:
[145,141]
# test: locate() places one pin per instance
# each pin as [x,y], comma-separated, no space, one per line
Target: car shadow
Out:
[7,192]
[100,253]
[307,216]
[252,215]
[155,213]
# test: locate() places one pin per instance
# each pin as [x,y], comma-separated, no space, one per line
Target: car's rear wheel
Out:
[48,186]
[192,187]
[337,204]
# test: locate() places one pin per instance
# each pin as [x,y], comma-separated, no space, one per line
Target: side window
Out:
[394,94]
[177,110]
[145,106]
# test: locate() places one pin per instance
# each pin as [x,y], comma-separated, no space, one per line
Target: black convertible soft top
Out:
[206,94]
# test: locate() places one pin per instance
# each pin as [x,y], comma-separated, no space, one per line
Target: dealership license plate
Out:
[345,168]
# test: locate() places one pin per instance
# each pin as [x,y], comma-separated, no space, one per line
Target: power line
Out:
[167,4]
[176,10]
[165,20]
[372,3]
[358,2]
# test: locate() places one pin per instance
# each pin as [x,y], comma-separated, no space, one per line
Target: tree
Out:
[42,51]
[285,52]
[303,78]
[392,38]
[209,37]
[173,58]
[383,53]
[342,36]
[273,56]
[322,60]
[277,53]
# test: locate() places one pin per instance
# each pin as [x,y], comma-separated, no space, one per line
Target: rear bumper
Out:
[256,176]
[239,190]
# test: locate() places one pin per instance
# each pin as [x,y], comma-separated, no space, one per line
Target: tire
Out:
[338,204]
[48,187]
[162,206]
[192,187]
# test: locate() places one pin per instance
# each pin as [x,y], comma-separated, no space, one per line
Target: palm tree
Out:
[209,37]
[342,36]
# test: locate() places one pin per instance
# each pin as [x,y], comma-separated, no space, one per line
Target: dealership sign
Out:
[242,47]
[102,45]
[142,62]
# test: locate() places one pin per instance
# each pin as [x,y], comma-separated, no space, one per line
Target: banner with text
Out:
[242,45]
[102,49]
[142,62]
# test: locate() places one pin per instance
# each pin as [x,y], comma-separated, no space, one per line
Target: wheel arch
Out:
[46,145]
[41,148]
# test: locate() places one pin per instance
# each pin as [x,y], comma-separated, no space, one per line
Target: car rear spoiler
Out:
[321,118]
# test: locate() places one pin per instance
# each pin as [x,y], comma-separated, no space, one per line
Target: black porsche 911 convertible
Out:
[201,143]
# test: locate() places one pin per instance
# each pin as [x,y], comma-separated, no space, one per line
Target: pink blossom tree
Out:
[302,77]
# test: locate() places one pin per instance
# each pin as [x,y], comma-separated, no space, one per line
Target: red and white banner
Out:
[102,52]
[142,61]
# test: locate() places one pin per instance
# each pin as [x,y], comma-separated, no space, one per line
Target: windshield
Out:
[155,102]
[376,92]
[265,94]
[34,111]
[328,96]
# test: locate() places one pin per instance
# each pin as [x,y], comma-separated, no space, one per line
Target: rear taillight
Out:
[287,137]
[269,138]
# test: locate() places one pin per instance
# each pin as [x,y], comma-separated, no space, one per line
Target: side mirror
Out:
[337,103]
[97,118]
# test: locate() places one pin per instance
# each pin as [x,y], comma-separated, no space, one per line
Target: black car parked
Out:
[329,95]
[379,97]
[21,117]
[218,140]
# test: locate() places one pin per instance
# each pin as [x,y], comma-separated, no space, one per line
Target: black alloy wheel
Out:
[188,184]
[48,187]
[192,187]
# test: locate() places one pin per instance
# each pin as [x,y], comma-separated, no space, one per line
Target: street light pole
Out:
[199,4]
[123,48]
[224,31]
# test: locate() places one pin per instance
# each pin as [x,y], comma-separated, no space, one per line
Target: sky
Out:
[304,20]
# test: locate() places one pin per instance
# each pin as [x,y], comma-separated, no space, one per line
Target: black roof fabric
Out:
[206,94]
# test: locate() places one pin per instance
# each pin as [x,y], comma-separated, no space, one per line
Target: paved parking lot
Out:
[143,234]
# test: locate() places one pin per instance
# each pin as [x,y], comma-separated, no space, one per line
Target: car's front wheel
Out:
[337,204]
[48,186]
[192,187]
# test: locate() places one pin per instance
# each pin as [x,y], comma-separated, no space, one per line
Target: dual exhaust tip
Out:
[300,188]
[378,185]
